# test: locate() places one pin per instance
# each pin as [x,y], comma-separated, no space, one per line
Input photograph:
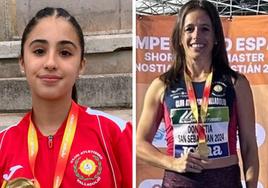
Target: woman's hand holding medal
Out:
[190,162]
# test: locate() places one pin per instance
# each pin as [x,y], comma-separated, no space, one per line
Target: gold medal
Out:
[203,149]
[200,116]
[20,183]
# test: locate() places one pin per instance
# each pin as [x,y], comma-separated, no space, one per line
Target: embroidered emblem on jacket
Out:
[87,166]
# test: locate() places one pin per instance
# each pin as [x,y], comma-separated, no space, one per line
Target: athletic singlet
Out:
[221,122]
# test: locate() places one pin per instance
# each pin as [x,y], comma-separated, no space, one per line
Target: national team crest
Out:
[87,166]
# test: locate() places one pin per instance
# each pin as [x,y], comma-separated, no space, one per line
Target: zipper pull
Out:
[50,141]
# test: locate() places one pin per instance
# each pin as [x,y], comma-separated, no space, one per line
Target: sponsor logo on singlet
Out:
[87,166]
[216,129]
[178,93]
[219,89]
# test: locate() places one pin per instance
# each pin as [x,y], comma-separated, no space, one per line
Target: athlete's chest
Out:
[183,118]
[220,94]
[87,163]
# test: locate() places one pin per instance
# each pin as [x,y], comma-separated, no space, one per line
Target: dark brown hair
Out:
[220,62]
[58,12]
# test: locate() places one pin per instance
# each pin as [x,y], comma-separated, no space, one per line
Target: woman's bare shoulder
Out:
[157,82]
[157,88]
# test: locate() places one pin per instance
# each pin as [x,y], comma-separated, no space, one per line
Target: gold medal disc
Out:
[20,183]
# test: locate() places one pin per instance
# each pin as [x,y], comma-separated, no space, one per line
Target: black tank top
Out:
[220,125]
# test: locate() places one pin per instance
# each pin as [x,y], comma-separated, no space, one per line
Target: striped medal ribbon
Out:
[65,148]
[202,148]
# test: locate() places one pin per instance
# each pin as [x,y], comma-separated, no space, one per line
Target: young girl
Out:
[60,143]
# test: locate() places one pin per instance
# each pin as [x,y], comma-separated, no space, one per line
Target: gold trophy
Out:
[20,183]
[203,149]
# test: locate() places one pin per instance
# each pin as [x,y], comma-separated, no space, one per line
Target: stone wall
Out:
[107,81]
[94,16]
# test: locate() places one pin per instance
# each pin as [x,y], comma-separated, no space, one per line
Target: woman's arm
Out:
[247,136]
[150,119]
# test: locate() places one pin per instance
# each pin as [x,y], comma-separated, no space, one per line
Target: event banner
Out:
[246,39]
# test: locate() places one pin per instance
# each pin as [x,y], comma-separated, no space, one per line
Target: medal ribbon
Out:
[4,184]
[32,148]
[204,104]
[64,149]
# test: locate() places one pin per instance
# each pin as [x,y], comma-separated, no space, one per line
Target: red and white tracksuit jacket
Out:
[100,156]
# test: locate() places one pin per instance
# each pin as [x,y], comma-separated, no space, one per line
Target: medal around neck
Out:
[200,118]
[203,149]
[20,183]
